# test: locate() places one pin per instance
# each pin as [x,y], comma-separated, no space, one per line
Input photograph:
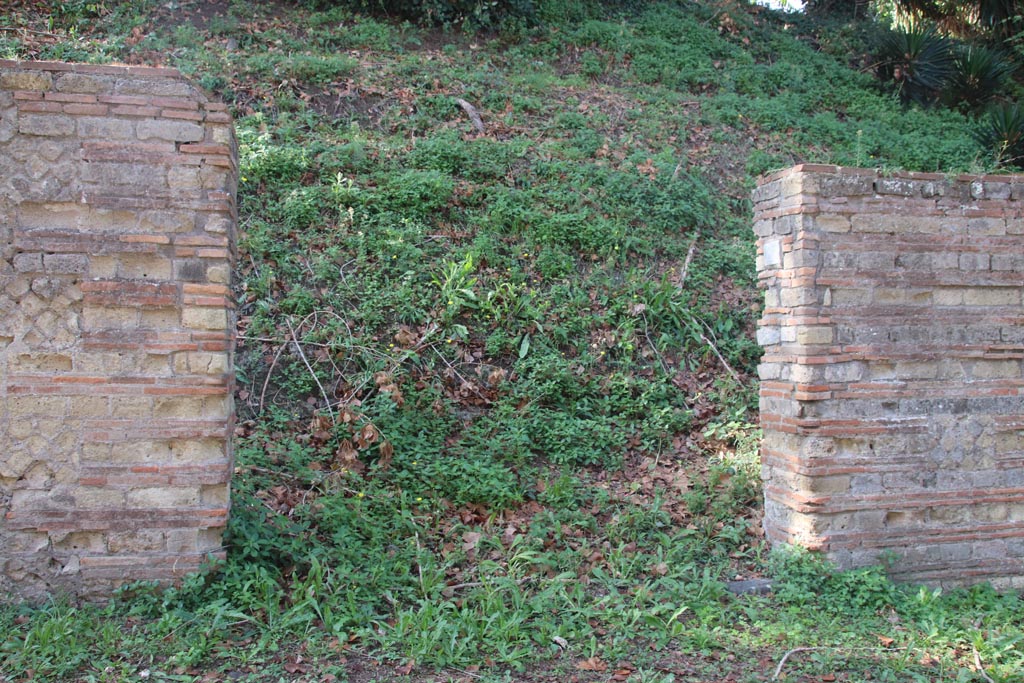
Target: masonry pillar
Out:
[892,393]
[117,221]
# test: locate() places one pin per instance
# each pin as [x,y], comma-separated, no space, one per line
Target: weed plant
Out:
[510,448]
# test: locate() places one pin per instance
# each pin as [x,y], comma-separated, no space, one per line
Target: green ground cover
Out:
[497,395]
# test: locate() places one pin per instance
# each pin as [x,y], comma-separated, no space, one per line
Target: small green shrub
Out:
[340,29]
[265,159]
[307,68]
[578,440]
[302,207]
[420,193]
[446,152]
[583,231]
[554,264]
[75,15]
[807,578]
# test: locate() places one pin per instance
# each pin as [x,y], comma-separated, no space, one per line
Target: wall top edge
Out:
[100,69]
[876,173]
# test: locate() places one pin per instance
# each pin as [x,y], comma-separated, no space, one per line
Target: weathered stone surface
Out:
[750,587]
[84,83]
[114,404]
[45,124]
[892,377]
[105,128]
[25,80]
[156,87]
[173,131]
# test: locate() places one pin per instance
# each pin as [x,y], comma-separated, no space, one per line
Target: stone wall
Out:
[891,383]
[117,220]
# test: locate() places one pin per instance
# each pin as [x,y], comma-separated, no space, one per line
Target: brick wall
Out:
[117,220]
[891,383]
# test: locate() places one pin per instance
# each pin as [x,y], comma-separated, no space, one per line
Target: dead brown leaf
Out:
[387,452]
[508,536]
[592,664]
[366,435]
[405,337]
[347,458]
[296,667]
[395,392]
[648,169]
[470,540]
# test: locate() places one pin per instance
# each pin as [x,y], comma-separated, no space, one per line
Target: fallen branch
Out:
[319,345]
[782,662]
[472,113]
[395,362]
[981,669]
[698,324]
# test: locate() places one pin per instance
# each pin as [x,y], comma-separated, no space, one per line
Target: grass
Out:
[515,453]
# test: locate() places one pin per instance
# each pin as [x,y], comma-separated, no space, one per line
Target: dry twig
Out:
[782,662]
[650,342]
[714,349]
[795,650]
[18,29]
[419,567]
[689,259]
[302,354]
[270,372]
[679,167]
[698,324]
[479,584]
[458,374]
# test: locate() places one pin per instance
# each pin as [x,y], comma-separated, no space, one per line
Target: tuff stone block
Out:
[116,244]
[25,80]
[173,131]
[83,83]
[47,125]
[104,128]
